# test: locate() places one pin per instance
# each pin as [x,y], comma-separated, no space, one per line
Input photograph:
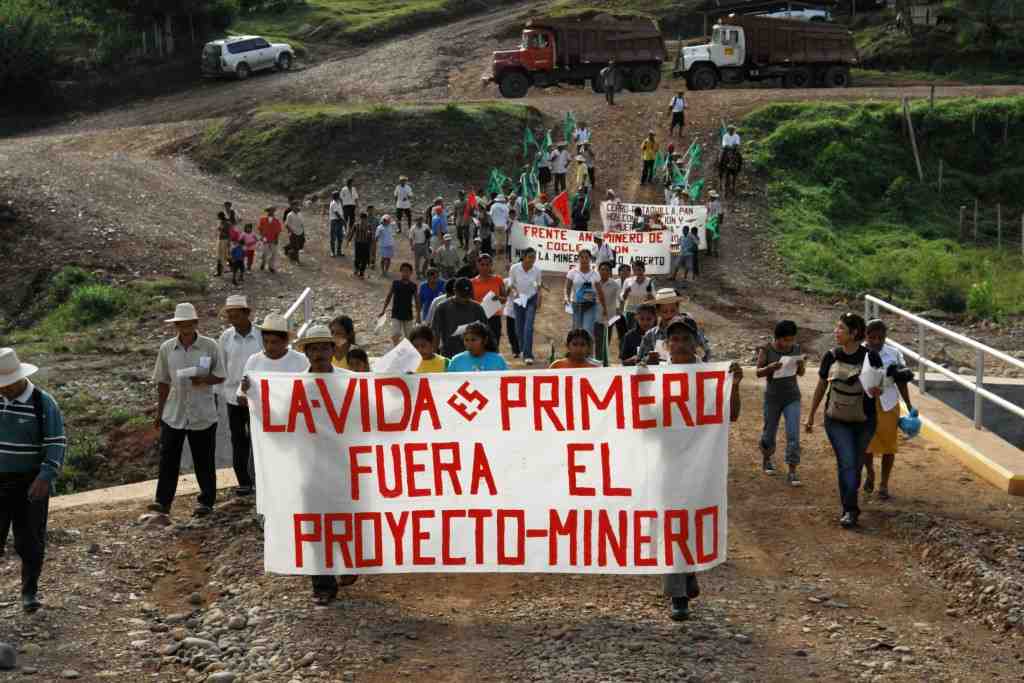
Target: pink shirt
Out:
[250,240]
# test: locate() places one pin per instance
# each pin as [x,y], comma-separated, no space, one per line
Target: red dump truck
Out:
[803,54]
[575,49]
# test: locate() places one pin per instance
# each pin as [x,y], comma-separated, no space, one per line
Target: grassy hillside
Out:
[851,216]
[304,148]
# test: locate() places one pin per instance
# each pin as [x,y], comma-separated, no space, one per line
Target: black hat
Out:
[464,286]
[685,321]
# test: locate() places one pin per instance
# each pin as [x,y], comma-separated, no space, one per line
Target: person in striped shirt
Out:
[32,445]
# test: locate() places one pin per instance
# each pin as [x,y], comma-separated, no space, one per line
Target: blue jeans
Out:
[849,440]
[525,315]
[773,410]
[584,319]
[337,235]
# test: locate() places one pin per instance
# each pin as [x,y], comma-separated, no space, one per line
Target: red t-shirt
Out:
[481,287]
[270,228]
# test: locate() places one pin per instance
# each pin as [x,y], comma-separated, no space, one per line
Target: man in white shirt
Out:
[403,202]
[236,344]
[349,202]
[275,357]
[731,138]
[677,108]
[560,166]
[499,217]
[526,281]
[581,136]
[296,227]
[603,253]
[336,216]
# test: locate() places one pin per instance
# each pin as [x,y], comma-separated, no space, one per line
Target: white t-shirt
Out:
[235,351]
[334,211]
[295,223]
[526,282]
[678,104]
[349,196]
[731,140]
[582,135]
[604,253]
[499,215]
[403,196]
[638,293]
[559,162]
[578,277]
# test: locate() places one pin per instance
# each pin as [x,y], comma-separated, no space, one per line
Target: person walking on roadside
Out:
[560,166]
[438,226]
[666,303]
[450,315]
[648,152]
[499,215]
[887,407]
[580,174]
[296,226]
[270,233]
[349,202]
[526,285]
[610,289]
[447,258]
[461,210]
[587,152]
[362,234]
[781,397]
[543,170]
[581,210]
[236,344]
[850,416]
[581,136]
[428,290]
[582,292]
[403,201]
[187,368]
[225,231]
[384,238]
[336,214]
[419,242]
[344,333]
[32,448]
[403,294]
[610,81]
[677,110]
[486,282]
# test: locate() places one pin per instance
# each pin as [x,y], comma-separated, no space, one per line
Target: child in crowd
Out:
[237,262]
[579,347]
[344,333]
[422,337]
[251,240]
[621,328]
[635,290]
[358,361]
[608,309]
[481,351]
[781,398]
[646,317]
[403,293]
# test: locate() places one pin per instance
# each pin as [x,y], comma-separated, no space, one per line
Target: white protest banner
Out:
[597,471]
[618,216]
[557,247]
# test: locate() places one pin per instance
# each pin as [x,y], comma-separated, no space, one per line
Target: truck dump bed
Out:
[780,41]
[601,37]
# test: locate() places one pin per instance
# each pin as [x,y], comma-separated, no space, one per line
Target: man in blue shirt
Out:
[32,444]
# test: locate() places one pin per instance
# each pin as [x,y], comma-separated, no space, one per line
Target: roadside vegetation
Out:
[326,144]
[851,216]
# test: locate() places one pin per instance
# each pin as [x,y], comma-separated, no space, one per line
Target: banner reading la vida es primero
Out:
[618,216]
[557,247]
[603,471]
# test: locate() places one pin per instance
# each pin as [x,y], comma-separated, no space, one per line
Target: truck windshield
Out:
[533,39]
[716,36]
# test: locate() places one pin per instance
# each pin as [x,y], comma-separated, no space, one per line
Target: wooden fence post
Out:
[975,221]
[931,98]
[999,226]
[940,175]
[963,211]
[974,124]
[913,139]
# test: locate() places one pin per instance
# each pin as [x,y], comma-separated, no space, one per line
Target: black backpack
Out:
[37,407]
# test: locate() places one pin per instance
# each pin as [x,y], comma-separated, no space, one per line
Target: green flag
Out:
[497,181]
[659,160]
[568,126]
[712,225]
[695,190]
[677,177]
[528,141]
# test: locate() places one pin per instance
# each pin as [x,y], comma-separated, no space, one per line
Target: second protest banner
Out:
[618,216]
[609,470]
[557,247]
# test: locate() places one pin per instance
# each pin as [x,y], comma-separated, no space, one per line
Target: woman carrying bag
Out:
[850,416]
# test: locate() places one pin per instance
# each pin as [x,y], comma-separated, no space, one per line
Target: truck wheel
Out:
[514,84]
[837,77]
[242,71]
[284,62]
[704,78]
[799,77]
[645,79]
[596,85]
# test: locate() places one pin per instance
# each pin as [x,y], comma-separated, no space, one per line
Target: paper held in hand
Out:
[381,322]
[790,364]
[491,304]
[402,359]
[871,378]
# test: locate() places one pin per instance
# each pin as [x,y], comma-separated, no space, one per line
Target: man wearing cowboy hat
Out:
[714,209]
[602,252]
[317,343]
[560,166]
[666,302]
[236,344]
[32,445]
[581,178]
[270,233]
[188,366]
[403,201]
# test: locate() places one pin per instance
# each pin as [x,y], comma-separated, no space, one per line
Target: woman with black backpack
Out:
[850,417]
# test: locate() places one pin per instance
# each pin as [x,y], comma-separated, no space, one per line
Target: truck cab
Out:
[702,64]
[537,51]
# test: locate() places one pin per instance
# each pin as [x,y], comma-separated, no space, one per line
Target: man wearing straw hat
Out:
[560,166]
[236,344]
[318,344]
[666,302]
[32,445]
[403,202]
[187,368]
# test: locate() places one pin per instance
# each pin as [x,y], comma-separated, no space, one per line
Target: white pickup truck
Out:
[239,56]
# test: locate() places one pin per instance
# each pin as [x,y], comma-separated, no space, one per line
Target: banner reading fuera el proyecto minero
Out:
[557,248]
[603,471]
[618,216]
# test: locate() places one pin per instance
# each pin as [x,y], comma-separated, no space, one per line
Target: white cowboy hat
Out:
[713,193]
[666,295]
[580,157]
[500,198]
[235,301]
[447,237]
[183,313]
[314,334]
[274,322]
[12,370]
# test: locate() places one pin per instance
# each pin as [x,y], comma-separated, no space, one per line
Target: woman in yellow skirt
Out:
[885,442]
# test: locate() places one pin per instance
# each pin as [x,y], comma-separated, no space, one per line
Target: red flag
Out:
[561,207]
[470,205]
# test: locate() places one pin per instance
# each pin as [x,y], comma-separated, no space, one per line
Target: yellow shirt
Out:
[341,364]
[436,364]
[648,150]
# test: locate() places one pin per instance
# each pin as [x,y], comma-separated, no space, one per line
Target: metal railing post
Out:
[921,367]
[979,381]
[307,309]
[867,308]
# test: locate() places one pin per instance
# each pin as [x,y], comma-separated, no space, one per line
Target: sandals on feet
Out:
[883,493]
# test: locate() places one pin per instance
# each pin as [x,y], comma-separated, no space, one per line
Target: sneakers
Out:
[680,609]
[202,511]
[848,520]
[767,465]
[30,603]
[793,479]
[242,491]
[529,361]
[157,507]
